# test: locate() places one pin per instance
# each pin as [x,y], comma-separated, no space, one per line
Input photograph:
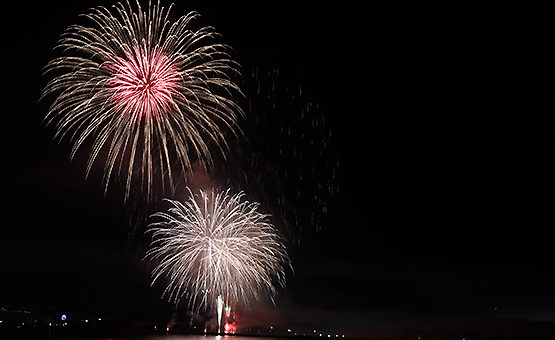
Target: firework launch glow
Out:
[216,245]
[155,93]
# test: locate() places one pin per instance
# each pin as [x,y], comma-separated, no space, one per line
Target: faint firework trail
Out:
[157,94]
[213,246]
[290,162]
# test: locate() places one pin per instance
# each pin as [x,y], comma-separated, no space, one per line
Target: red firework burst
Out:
[144,83]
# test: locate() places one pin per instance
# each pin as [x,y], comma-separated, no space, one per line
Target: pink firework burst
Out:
[156,94]
[144,83]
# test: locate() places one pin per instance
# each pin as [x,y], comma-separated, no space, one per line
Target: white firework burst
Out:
[220,247]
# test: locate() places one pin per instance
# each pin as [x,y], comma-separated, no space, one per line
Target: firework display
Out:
[216,247]
[158,95]
[155,102]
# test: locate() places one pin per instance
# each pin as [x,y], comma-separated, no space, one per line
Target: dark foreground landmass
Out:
[467,329]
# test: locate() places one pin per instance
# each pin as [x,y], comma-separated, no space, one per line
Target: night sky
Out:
[442,117]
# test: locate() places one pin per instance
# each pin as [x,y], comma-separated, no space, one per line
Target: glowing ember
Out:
[229,328]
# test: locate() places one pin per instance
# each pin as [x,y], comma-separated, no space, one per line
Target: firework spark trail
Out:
[154,91]
[143,83]
[222,246]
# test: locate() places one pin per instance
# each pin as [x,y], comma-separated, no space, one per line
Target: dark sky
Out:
[446,211]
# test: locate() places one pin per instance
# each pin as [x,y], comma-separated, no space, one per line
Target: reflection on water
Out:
[202,337]
[49,334]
